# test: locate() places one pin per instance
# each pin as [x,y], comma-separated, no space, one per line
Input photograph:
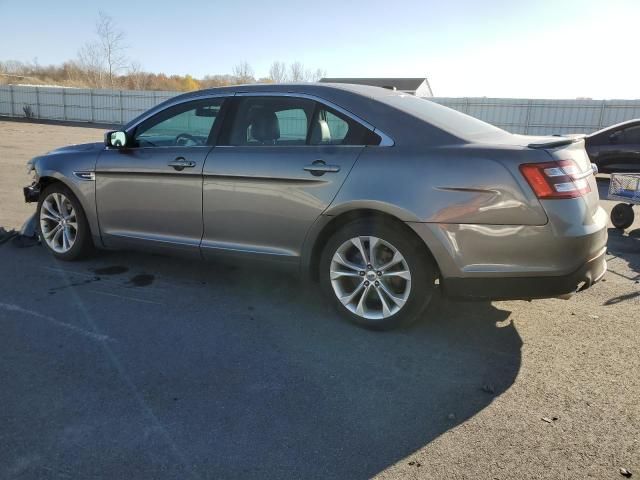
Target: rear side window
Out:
[332,128]
[262,121]
[290,121]
[631,135]
[293,125]
[447,119]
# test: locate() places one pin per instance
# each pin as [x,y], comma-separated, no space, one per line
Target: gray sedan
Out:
[383,198]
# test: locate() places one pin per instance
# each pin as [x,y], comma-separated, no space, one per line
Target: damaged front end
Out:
[32,192]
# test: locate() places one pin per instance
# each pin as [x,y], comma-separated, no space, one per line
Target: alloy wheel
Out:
[58,222]
[370,277]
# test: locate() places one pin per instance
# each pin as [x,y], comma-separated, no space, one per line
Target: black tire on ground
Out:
[622,216]
[423,271]
[83,245]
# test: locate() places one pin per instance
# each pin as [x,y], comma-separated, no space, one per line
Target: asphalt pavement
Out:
[131,365]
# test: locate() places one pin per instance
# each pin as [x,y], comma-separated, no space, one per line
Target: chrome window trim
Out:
[385,140]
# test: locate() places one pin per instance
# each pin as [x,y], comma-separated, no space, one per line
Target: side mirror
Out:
[116,139]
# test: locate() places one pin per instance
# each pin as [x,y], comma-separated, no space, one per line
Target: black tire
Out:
[83,244]
[622,216]
[420,264]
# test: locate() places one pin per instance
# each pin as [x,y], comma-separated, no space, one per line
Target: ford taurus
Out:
[382,197]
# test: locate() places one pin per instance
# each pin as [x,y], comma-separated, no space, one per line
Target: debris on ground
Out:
[625,473]
[27,236]
[549,420]
[24,241]
[6,235]
[30,227]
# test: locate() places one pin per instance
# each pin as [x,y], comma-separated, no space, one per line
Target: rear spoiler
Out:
[560,142]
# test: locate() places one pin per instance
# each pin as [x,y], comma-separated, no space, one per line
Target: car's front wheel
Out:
[62,224]
[377,274]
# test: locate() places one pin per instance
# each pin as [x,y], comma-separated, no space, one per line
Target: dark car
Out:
[616,148]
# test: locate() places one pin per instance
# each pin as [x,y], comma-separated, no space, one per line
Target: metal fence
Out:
[78,104]
[517,115]
[546,117]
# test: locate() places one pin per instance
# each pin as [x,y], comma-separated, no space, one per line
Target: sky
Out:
[492,48]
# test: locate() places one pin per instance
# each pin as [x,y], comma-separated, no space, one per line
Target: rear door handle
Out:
[319,167]
[181,163]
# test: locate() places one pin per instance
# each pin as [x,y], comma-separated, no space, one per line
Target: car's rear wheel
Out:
[377,274]
[622,216]
[62,224]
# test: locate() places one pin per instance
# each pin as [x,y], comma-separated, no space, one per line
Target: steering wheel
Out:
[187,138]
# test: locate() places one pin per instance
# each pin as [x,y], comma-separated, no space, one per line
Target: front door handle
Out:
[181,163]
[319,167]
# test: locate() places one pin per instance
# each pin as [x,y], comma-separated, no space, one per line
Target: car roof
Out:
[309,88]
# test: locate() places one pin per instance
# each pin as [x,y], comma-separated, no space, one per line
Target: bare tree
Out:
[105,57]
[317,75]
[296,72]
[138,79]
[243,73]
[111,39]
[278,72]
[91,63]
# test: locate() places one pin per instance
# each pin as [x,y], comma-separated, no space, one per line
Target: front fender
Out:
[63,169]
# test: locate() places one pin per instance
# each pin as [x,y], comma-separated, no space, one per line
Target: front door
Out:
[278,166]
[150,193]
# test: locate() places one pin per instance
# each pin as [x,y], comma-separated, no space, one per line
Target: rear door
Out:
[151,192]
[280,162]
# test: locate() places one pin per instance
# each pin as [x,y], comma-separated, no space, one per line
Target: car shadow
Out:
[246,373]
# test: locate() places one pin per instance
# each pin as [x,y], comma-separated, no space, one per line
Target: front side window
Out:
[185,125]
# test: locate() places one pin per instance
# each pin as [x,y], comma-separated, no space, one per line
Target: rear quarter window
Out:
[444,118]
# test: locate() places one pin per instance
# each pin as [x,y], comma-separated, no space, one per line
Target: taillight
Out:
[560,179]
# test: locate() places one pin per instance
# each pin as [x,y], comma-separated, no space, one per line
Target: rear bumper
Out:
[528,288]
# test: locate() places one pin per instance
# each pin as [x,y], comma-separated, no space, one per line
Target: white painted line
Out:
[18,309]
[133,299]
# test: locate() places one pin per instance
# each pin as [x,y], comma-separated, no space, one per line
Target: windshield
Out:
[447,119]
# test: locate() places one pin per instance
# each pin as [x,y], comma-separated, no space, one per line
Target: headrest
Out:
[320,133]
[265,126]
